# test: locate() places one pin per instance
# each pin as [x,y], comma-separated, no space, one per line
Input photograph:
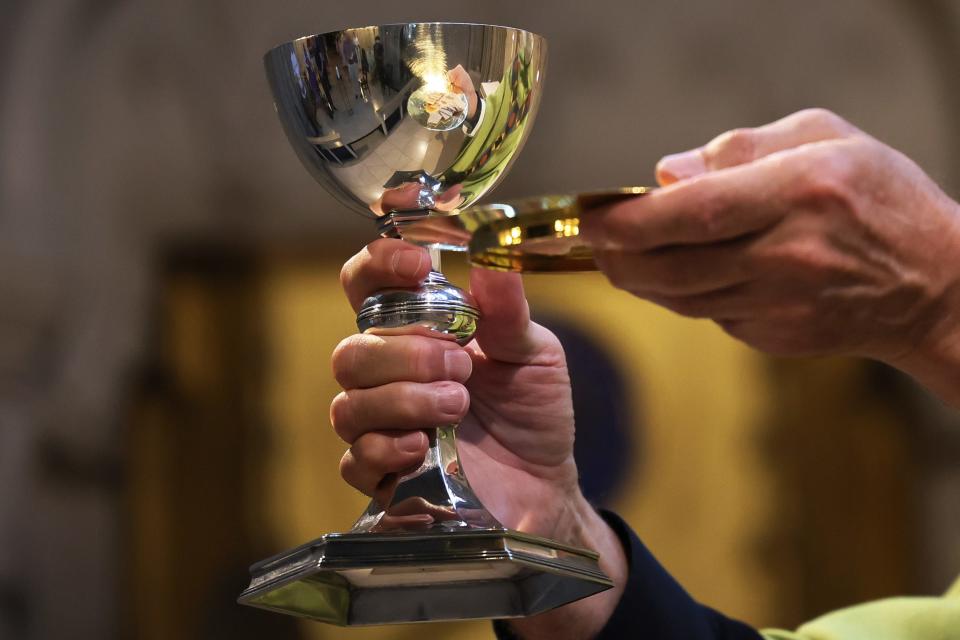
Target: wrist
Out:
[582,526]
[935,363]
[933,356]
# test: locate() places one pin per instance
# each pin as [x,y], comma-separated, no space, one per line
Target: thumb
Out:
[505,331]
[742,146]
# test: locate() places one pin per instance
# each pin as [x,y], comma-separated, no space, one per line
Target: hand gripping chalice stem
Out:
[412,143]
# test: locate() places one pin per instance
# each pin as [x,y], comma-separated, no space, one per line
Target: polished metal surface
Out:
[368,578]
[410,124]
[436,306]
[405,121]
[436,496]
[537,234]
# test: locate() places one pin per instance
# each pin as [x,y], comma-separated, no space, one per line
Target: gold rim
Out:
[540,234]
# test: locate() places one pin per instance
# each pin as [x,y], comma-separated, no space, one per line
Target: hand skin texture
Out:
[510,391]
[802,237]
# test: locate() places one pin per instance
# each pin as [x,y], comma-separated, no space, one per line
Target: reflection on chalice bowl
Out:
[410,124]
[439,108]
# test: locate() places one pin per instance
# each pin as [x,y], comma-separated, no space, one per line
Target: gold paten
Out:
[539,234]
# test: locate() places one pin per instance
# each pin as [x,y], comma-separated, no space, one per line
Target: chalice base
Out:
[432,553]
[368,579]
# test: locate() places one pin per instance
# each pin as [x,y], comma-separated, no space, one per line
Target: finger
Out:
[506,332]
[398,405]
[732,303]
[783,338]
[714,207]
[456,75]
[375,455]
[755,300]
[741,146]
[416,505]
[680,270]
[409,514]
[401,198]
[381,264]
[366,360]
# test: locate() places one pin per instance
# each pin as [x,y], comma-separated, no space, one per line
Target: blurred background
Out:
[169,300]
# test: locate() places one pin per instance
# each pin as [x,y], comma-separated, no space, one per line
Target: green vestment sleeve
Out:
[904,618]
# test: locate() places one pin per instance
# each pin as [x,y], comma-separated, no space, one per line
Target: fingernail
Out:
[457,364]
[452,400]
[680,166]
[411,442]
[406,263]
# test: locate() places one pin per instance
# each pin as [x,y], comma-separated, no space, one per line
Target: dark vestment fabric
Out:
[654,606]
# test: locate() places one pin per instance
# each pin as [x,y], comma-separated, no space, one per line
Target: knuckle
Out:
[830,186]
[427,359]
[371,260]
[354,472]
[804,256]
[381,253]
[826,120]
[369,452]
[737,146]
[408,402]
[830,177]
[864,151]
[348,270]
[342,416]
[347,466]
[343,360]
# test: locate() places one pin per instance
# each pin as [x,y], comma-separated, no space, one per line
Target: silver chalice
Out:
[409,125]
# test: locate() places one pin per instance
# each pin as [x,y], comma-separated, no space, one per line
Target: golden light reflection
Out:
[430,61]
[434,83]
[566,227]
[511,236]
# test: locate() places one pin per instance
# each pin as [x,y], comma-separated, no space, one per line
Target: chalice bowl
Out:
[410,124]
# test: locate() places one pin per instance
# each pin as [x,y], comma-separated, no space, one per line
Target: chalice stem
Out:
[436,496]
